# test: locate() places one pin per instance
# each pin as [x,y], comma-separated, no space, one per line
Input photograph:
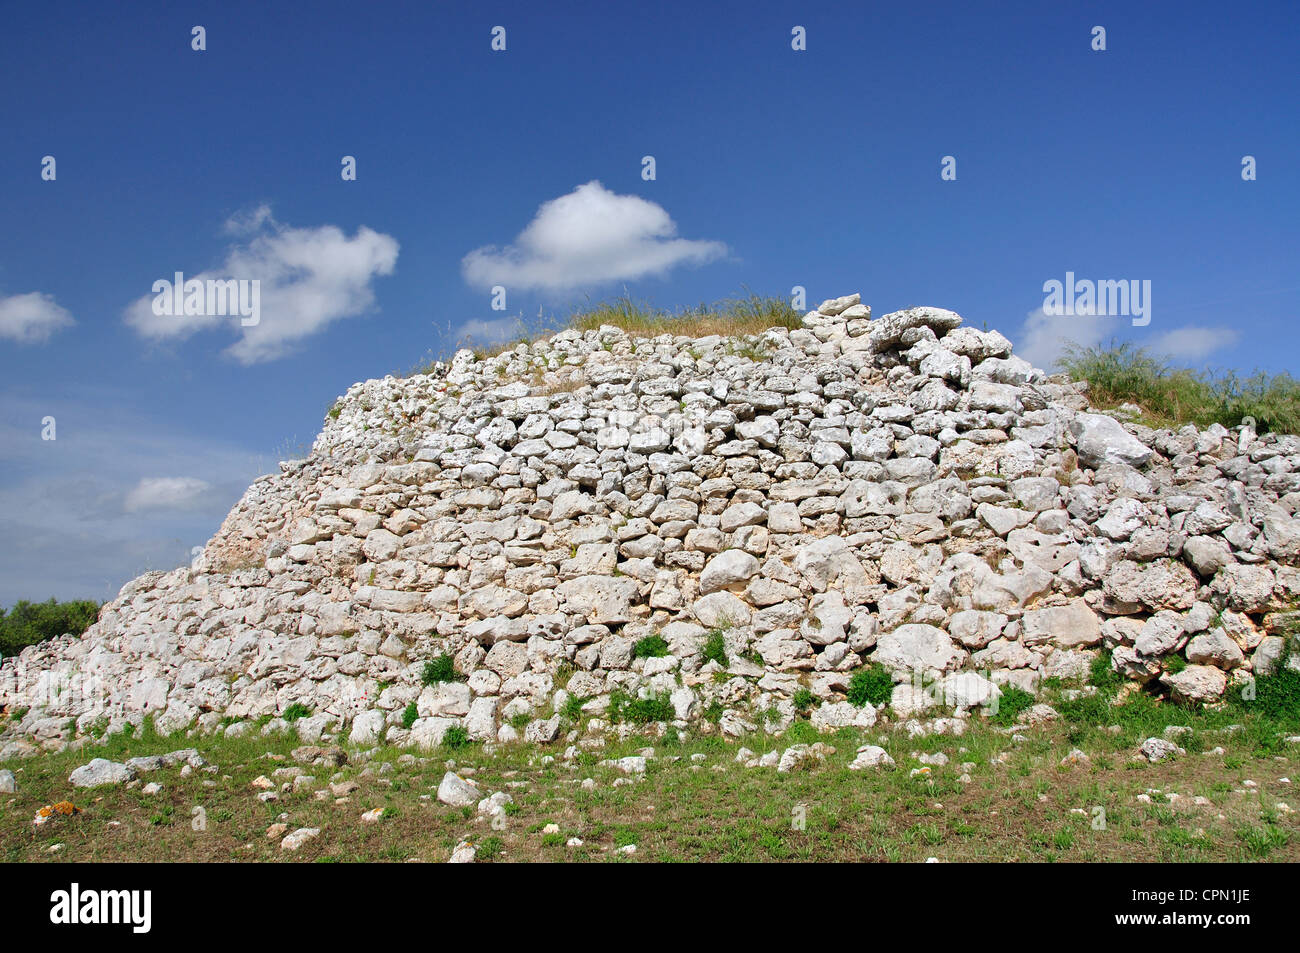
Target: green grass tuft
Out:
[715,648]
[1171,397]
[295,711]
[455,737]
[652,646]
[440,669]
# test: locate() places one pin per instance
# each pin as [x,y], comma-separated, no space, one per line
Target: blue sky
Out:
[775,168]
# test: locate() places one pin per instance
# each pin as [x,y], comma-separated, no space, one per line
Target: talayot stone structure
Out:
[899,490]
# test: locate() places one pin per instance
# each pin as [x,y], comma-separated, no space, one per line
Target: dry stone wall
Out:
[900,490]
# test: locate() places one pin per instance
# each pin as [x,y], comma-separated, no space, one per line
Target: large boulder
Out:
[732,567]
[834,715]
[1130,586]
[721,609]
[603,599]
[457,791]
[1215,648]
[830,562]
[917,647]
[367,728]
[1245,588]
[887,331]
[1196,683]
[966,690]
[1069,626]
[1100,440]
[101,771]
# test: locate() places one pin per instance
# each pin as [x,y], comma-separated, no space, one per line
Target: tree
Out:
[30,622]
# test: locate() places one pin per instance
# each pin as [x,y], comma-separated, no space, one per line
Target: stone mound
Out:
[706,526]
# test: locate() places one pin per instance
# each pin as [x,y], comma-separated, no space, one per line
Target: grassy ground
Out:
[1019,803]
[1171,397]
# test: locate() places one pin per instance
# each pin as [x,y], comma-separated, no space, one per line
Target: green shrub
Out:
[410,715]
[872,684]
[1013,701]
[639,711]
[1147,714]
[713,712]
[440,669]
[28,623]
[455,737]
[715,648]
[804,699]
[295,711]
[652,646]
[1175,664]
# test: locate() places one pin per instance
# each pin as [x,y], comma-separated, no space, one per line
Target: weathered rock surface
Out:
[458,792]
[101,771]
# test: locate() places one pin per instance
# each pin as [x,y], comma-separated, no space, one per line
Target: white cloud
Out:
[1044,338]
[1192,344]
[165,492]
[249,221]
[310,277]
[588,237]
[31,318]
[68,513]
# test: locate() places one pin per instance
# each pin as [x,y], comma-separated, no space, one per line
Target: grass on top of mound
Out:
[732,317]
[752,314]
[1172,396]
